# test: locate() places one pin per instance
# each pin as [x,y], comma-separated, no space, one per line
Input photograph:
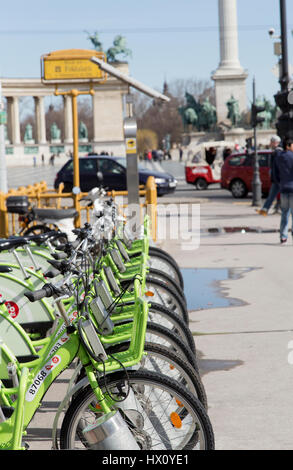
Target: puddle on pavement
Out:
[222,230]
[202,287]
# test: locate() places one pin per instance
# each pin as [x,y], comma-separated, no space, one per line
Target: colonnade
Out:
[107,110]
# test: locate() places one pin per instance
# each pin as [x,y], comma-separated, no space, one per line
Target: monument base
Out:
[22,154]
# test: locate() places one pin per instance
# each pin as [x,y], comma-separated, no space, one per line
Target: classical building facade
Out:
[107,114]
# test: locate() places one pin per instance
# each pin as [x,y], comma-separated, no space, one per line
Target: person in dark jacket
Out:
[283,168]
[274,189]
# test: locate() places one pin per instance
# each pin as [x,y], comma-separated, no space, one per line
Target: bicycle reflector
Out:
[149,293]
[176,420]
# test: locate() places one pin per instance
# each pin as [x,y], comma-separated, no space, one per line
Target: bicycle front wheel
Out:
[167,416]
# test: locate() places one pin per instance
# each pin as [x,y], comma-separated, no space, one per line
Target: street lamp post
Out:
[3,169]
[256,181]
[284,78]
[285,121]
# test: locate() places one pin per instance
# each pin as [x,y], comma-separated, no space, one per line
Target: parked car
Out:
[237,173]
[204,165]
[113,172]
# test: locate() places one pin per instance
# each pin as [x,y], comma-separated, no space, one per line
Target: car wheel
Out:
[201,184]
[238,189]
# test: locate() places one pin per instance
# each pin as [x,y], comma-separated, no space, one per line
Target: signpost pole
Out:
[3,170]
[76,179]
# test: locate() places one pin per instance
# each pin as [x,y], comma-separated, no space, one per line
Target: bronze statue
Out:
[28,134]
[82,131]
[118,48]
[233,111]
[201,116]
[55,132]
[94,38]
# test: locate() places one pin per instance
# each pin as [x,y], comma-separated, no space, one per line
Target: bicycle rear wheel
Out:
[161,293]
[171,320]
[166,415]
[158,334]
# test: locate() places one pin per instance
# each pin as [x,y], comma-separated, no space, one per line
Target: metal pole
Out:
[76,180]
[284,80]
[3,170]
[256,182]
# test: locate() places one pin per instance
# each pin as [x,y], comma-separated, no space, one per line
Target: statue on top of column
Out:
[118,49]
[94,38]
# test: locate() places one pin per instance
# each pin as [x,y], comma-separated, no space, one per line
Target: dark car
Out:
[113,170]
[237,173]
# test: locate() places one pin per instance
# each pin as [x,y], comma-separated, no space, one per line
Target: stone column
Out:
[229,77]
[68,125]
[108,116]
[13,120]
[228,34]
[40,120]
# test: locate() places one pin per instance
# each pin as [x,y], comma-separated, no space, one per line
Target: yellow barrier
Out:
[42,197]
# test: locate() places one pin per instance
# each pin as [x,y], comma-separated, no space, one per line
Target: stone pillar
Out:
[40,120]
[68,125]
[13,120]
[228,34]
[229,77]
[108,116]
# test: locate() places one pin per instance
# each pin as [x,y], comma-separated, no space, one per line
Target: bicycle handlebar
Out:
[46,291]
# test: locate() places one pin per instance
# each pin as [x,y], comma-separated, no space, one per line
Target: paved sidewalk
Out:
[245,347]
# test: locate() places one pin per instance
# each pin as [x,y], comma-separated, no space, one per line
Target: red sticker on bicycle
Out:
[12,308]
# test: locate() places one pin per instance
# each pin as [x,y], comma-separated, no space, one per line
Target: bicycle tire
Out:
[174,366]
[158,289]
[170,265]
[157,430]
[37,230]
[179,325]
[156,333]
[153,250]
[164,277]
[180,369]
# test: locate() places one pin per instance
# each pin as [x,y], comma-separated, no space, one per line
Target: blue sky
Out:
[169,39]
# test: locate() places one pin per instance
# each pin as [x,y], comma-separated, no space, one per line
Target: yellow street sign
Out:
[72,64]
[131,145]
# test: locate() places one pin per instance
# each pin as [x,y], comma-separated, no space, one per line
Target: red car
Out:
[237,173]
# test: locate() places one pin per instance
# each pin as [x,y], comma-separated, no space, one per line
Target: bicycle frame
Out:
[65,345]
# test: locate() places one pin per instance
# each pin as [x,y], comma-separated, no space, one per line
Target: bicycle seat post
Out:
[24,272]
[62,309]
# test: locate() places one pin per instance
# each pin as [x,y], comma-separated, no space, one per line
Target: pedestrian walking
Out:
[52,159]
[283,168]
[180,154]
[43,159]
[275,188]
[35,161]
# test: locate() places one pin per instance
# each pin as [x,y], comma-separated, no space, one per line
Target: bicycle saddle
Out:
[56,214]
[51,235]
[11,243]
[5,269]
